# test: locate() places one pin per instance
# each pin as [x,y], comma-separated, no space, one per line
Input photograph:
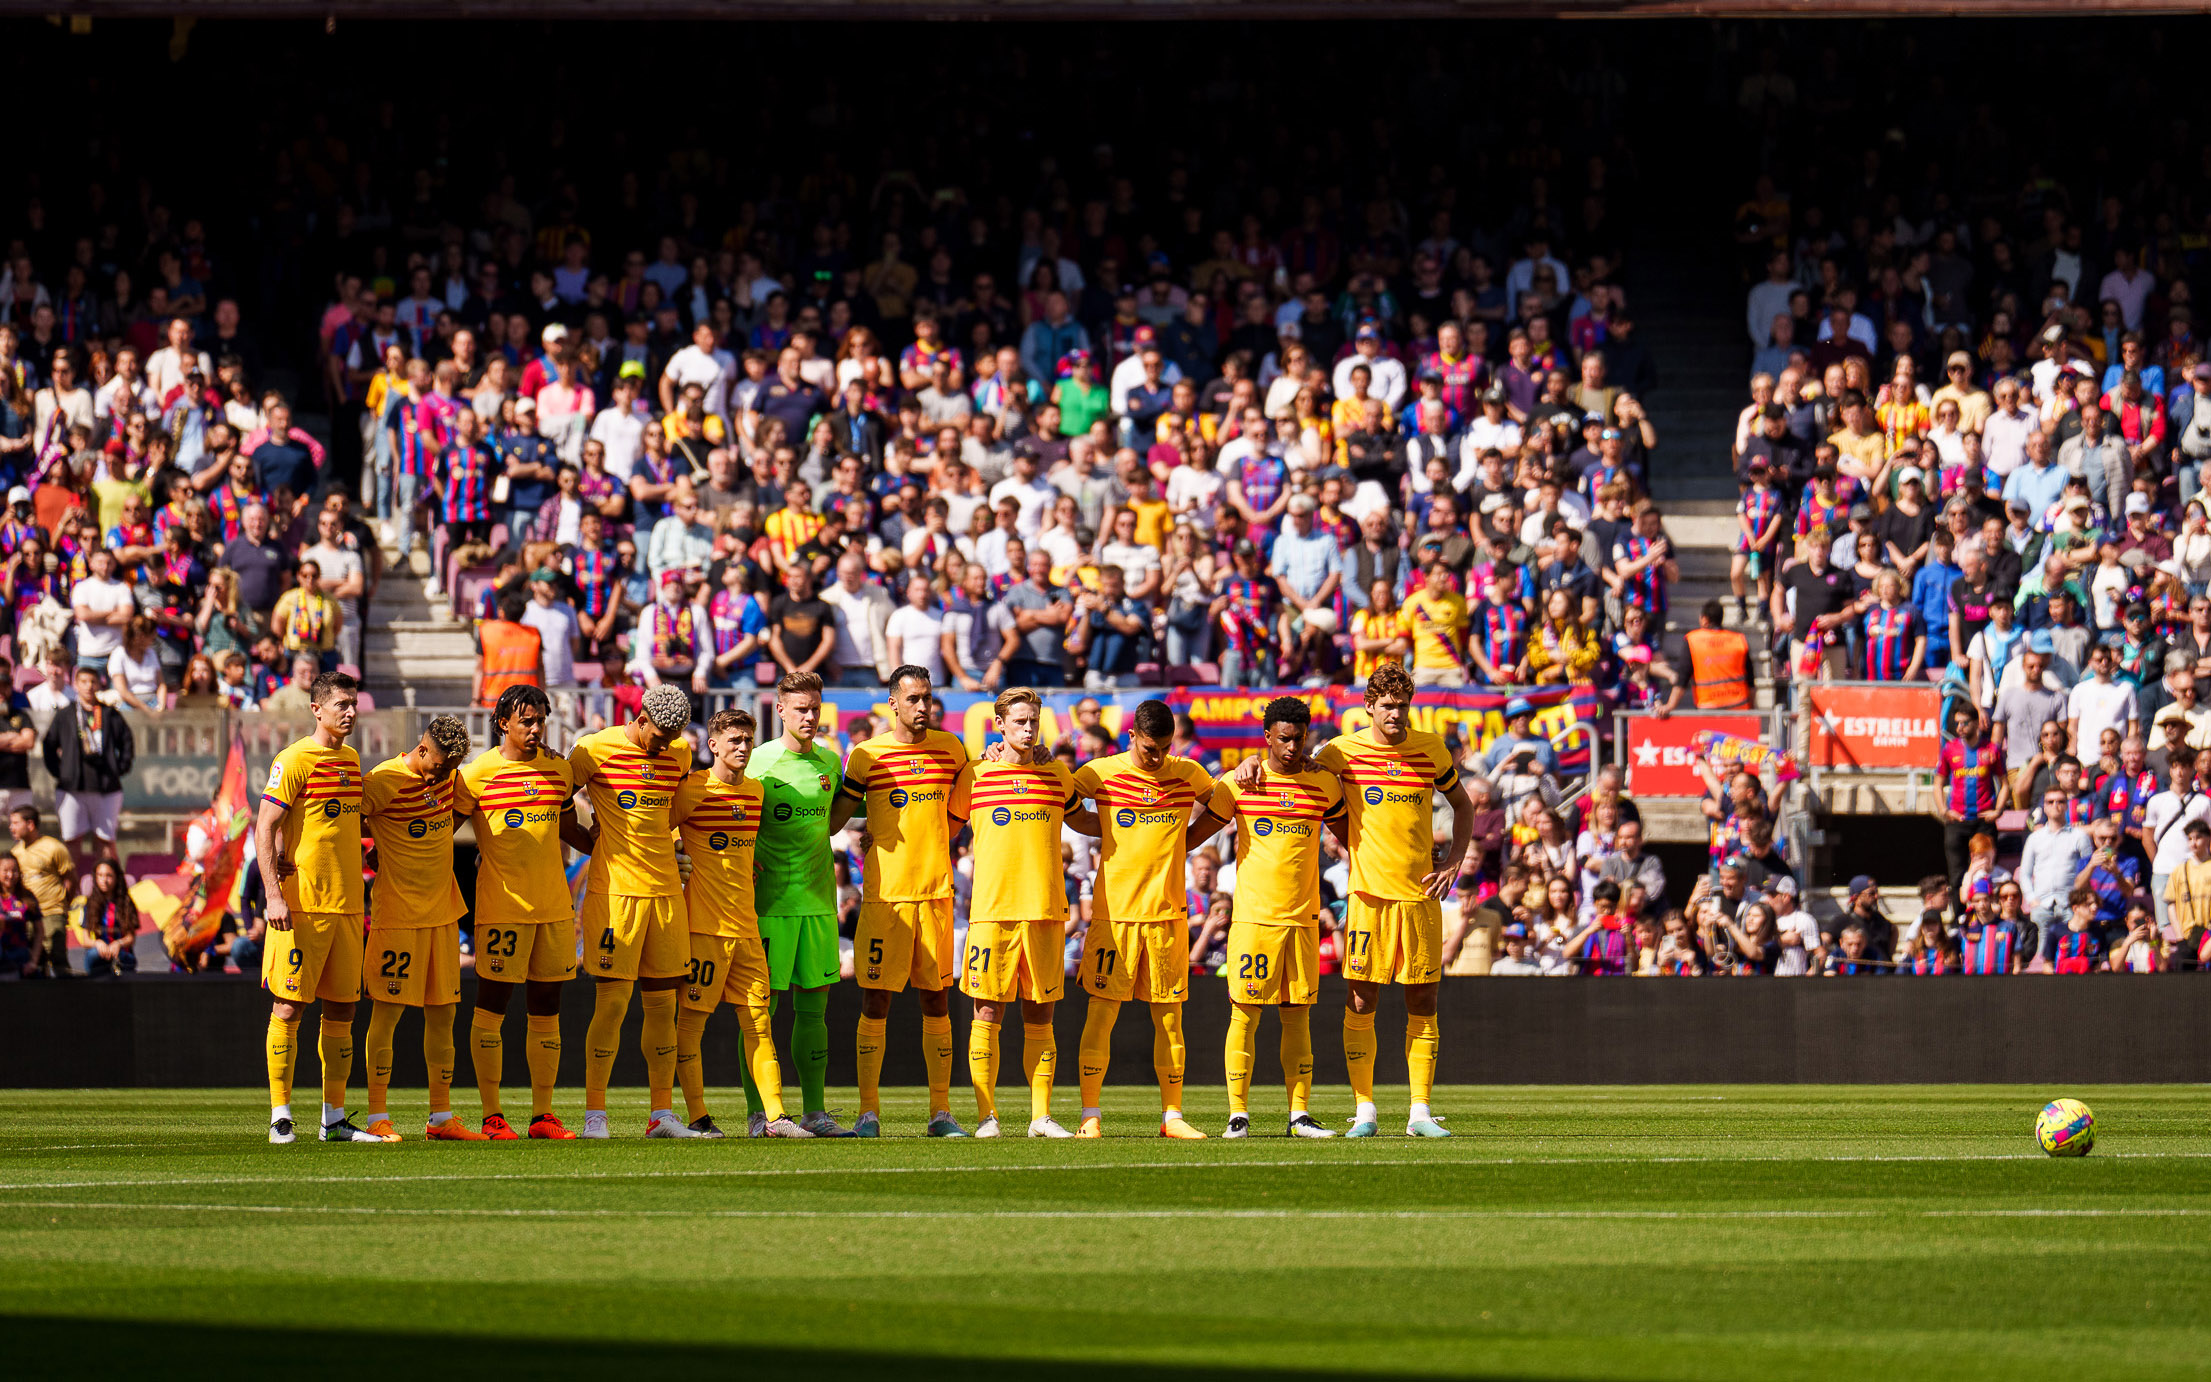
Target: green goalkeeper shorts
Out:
[802,951]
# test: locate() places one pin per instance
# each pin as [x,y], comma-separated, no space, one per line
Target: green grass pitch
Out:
[1750,1233]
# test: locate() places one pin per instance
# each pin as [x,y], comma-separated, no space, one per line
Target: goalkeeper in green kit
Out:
[795,890]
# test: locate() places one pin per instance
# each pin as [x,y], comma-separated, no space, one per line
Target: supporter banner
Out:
[1873,725]
[1662,754]
[188,906]
[1227,720]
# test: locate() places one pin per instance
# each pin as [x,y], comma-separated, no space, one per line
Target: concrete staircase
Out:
[414,651]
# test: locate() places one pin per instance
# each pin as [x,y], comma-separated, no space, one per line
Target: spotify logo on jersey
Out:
[1001,816]
[1373,796]
[626,800]
[783,810]
[1262,826]
[1124,818]
[898,796]
[717,840]
[330,810]
[514,819]
[417,829]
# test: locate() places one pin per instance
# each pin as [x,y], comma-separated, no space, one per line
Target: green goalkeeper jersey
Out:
[793,874]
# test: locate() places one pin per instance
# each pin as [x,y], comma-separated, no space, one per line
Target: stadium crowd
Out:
[1140,422]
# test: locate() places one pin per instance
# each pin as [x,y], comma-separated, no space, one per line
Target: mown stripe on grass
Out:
[378,1211]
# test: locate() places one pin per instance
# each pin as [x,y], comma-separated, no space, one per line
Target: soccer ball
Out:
[2065,1128]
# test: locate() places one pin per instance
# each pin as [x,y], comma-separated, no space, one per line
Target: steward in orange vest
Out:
[511,653]
[1719,662]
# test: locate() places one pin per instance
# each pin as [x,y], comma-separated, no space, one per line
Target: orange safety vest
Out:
[511,654]
[1719,668]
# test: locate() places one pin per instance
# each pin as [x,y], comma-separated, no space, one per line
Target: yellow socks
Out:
[690,1031]
[1096,1050]
[1420,1057]
[1358,1053]
[936,1050]
[602,1038]
[544,1059]
[1241,1050]
[336,1048]
[1168,1054]
[1297,1055]
[383,1021]
[659,1041]
[868,1053]
[437,1054]
[486,1048]
[1039,1056]
[759,1049]
[283,1049]
[982,1066]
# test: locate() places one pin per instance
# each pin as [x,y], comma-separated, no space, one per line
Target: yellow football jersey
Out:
[1279,820]
[1438,626]
[906,788]
[521,876]
[1015,810]
[630,792]
[1141,820]
[1390,793]
[412,824]
[719,821]
[320,791]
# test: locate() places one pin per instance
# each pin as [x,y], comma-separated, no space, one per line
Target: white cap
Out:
[554,331]
[2137,503]
[19,495]
[1910,474]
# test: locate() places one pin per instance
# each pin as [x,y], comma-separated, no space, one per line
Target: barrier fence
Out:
[207,1033]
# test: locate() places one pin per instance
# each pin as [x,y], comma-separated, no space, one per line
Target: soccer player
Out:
[1017,915]
[717,816]
[307,844]
[795,892]
[1274,936]
[1393,920]
[633,927]
[1138,945]
[519,796]
[903,779]
[414,939]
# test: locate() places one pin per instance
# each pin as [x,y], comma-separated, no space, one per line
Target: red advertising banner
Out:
[1874,726]
[1662,756]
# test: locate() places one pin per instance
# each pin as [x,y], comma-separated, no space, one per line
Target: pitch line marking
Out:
[741,1172]
[1398,1215]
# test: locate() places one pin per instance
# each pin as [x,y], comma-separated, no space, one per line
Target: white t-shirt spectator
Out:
[2100,705]
[1799,936]
[1033,496]
[1134,558]
[165,369]
[2165,822]
[1483,435]
[1187,484]
[557,629]
[622,434]
[339,564]
[711,372]
[96,641]
[915,637]
[142,674]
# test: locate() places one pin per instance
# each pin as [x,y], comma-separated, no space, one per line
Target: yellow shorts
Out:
[635,937]
[414,966]
[1143,961]
[1389,941]
[320,957]
[1005,960]
[1273,964]
[901,943]
[543,951]
[726,968]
